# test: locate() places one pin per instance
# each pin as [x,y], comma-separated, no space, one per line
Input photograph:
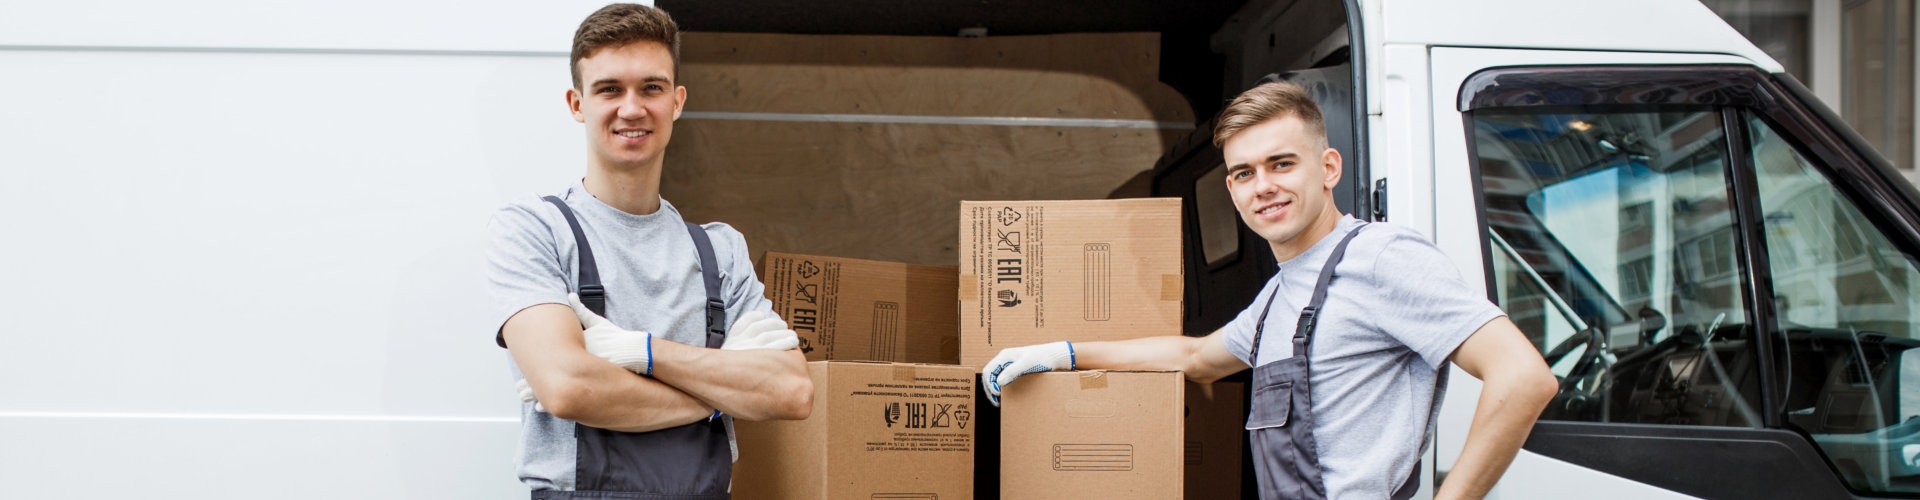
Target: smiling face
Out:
[628,100]
[1281,175]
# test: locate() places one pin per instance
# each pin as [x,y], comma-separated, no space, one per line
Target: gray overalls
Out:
[1280,421]
[689,462]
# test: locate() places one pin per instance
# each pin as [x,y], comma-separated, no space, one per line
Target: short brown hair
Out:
[620,24]
[1269,101]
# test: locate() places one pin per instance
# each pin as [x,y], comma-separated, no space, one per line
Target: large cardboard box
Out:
[855,309]
[878,431]
[1216,428]
[1041,271]
[1093,434]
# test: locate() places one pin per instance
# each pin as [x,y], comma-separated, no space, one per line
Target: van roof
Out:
[1613,25]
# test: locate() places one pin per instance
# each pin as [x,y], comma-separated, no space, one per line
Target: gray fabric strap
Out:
[1307,315]
[710,274]
[592,294]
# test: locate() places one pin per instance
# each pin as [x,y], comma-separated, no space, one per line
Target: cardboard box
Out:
[854,309]
[1041,271]
[878,431]
[1216,428]
[1093,434]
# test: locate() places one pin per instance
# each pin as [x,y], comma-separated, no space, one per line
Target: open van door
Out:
[1722,278]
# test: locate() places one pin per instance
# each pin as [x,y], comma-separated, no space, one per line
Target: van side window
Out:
[1849,316]
[1613,247]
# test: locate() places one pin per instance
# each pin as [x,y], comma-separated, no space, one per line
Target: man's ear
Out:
[573,105]
[679,101]
[1331,158]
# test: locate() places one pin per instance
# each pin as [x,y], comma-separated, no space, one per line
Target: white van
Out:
[243,255]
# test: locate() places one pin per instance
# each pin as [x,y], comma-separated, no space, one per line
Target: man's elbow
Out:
[796,401]
[1543,386]
[1535,386]
[568,401]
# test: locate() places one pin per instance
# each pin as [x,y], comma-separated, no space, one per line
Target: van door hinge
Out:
[1380,200]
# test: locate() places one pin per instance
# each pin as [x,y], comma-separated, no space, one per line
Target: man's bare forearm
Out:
[571,383]
[1196,356]
[1501,422]
[1517,387]
[748,384]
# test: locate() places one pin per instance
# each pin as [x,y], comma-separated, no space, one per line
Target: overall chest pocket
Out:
[1272,403]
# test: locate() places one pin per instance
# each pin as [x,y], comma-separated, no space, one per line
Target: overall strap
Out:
[592,294]
[1308,315]
[710,274]
[1303,330]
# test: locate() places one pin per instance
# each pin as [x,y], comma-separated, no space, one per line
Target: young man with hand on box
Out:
[1349,341]
[630,385]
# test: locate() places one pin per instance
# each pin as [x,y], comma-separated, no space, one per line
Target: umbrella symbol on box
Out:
[1007,298]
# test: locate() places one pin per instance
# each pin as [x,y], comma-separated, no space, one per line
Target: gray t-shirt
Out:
[650,269]
[1395,312]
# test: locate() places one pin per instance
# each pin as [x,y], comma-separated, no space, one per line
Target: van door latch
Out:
[1380,200]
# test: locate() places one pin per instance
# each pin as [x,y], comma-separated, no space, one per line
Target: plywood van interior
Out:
[820,129]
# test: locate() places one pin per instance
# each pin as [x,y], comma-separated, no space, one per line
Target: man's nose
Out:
[1265,183]
[632,107]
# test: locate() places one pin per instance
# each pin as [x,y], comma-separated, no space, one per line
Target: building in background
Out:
[1857,56]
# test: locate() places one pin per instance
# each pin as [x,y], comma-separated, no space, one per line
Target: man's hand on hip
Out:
[632,350]
[759,330]
[1015,362]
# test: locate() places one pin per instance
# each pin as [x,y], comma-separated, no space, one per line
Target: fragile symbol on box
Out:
[890,412]
[941,415]
[1009,241]
[809,292]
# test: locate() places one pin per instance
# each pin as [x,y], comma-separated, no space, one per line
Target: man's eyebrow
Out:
[1282,156]
[616,81]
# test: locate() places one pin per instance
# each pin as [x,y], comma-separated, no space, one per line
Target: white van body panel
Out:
[245,243]
[1682,26]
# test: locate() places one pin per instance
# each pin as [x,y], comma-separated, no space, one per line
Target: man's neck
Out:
[1320,228]
[633,190]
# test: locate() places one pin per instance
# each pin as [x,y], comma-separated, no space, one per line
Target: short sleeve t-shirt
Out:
[1395,311]
[651,271]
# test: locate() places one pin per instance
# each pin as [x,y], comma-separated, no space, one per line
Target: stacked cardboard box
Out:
[1040,271]
[878,430]
[1120,434]
[1093,434]
[854,309]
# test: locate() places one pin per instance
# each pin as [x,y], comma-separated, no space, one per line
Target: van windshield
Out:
[1614,250]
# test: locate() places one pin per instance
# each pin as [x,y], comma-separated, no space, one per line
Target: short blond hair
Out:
[1269,101]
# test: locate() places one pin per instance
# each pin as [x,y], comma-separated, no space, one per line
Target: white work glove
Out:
[759,330]
[629,349]
[526,395]
[1017,361]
